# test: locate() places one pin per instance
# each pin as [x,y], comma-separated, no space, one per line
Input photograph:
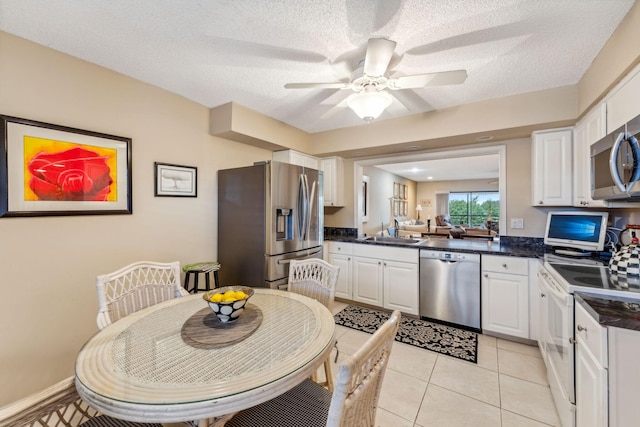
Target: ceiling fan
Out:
[370,81]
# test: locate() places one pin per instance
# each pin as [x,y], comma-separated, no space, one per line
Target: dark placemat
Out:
[205,331]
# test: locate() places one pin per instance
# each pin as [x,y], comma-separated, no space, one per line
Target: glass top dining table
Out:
[142,369]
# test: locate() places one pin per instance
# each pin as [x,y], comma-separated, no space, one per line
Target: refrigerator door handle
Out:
[310,209]
[288,261]
[303,207]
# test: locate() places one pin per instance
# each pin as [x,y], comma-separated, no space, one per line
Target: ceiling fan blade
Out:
[379,53]
[431,79]
[412,101]
[335,109]
[337,85]
[397,107]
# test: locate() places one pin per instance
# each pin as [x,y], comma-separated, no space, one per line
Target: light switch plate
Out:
[517,223]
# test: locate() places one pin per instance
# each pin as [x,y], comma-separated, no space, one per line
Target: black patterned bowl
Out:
[226,306]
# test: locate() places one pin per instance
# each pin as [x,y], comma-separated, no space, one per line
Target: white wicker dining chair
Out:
[134,287]
[353,403]
[58,406]
[316,278]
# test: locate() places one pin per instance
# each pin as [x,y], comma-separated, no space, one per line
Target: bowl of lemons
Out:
[228,302]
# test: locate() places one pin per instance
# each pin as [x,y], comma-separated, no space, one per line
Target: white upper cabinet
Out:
[622,101]
[588,131]
[297,158]
[552,168]
[333,168]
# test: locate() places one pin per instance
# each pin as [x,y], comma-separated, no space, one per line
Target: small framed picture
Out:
[175,180]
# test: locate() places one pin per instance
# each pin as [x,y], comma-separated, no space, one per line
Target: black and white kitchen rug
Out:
[443,339]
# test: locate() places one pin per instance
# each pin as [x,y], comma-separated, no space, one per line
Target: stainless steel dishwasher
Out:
[450,287]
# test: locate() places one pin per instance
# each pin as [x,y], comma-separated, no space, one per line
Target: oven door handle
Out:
[553,288]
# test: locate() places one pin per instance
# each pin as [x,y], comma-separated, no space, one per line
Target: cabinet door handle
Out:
[540,202]
[348,259]
[543,295]
[581,328]
[486,275]
[379,263]
[572,341]
[504,265]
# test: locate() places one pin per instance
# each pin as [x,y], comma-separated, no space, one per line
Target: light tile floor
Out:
[506,388]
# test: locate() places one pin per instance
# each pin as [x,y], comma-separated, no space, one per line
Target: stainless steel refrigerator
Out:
[268,214]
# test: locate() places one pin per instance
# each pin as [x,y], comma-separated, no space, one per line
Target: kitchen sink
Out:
[395,240]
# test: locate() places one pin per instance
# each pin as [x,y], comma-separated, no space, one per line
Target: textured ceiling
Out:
[215,52]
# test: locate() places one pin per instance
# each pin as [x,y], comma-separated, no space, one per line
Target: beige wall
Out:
[49,264]
[457,125]
[616,58]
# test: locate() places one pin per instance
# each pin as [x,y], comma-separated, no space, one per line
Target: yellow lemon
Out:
[228,298]
[216,298]
[229,293]
[240,295]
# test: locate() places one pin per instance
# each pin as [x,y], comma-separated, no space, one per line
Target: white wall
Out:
[381,189]
[49,264]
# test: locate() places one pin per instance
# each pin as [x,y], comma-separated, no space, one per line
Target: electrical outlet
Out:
[517,223]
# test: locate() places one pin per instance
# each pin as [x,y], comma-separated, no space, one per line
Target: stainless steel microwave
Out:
[615,164]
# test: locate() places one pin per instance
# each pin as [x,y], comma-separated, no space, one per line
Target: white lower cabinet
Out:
[607,374]
[368,275]
[381,276]
[340,255]
[386,277]
[344,288]
[505,295]
[591,373]
[624,377]
[400,286]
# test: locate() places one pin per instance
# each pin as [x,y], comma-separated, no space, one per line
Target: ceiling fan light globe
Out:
[369,105]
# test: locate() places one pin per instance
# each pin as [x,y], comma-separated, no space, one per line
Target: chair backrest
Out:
[134,287]
[56,406]
[315,278]
[359,380]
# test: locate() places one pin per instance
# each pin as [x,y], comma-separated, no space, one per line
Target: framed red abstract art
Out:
[48,169]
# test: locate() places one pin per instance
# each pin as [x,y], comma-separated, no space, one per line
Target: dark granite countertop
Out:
[456,245]
[611,311]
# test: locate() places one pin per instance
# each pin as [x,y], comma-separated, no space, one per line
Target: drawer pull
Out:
[581,328]
[504,265]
